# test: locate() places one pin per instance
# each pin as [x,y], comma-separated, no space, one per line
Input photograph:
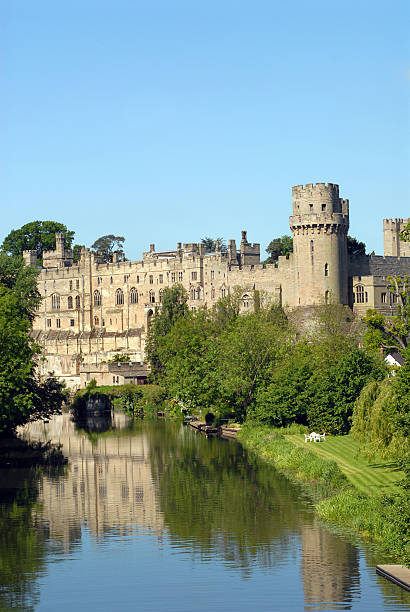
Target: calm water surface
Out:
[156,517]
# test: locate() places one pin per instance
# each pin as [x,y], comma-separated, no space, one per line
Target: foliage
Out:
[392,332]
[136,400]
[211,244]
[405,233]
[36,236]
[119,358]
[22,396]
[277,247]
[106,246]
[354,247]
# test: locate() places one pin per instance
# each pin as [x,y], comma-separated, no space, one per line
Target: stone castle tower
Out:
[393,245]
[319,225]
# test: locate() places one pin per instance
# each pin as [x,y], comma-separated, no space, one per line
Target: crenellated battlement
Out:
[316,187]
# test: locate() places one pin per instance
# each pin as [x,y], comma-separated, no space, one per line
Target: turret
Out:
[319,225]
[30,258]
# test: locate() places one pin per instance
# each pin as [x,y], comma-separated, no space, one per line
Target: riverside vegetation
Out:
[259,369]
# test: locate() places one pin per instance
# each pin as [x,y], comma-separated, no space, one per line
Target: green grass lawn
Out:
[372,477]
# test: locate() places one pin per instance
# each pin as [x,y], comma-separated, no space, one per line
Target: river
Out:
[153,516]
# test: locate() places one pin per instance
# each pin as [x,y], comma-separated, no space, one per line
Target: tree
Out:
[22,396]
[36,236]
[106,246]
[354,247]
[391,332]
[279,246]
[405,233]
[211,243]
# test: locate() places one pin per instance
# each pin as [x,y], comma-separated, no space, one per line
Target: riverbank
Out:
[383,518]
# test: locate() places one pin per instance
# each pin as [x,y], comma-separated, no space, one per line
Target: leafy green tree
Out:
[22,396]
[405,234]
[106,246]
[211,243]
[354,247]
[36,236]
[391,332]
[279,246]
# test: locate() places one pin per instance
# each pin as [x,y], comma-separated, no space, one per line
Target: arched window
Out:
[199,294]
[133,296]
[77,301]
[119,297]
[359,294]
[160,295]
[223,292]
[55,302]
[69,302]
[96,321]
[326,269]
[152,297]
[97,298]
[245,299]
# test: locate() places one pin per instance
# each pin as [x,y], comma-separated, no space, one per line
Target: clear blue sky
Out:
[166,121]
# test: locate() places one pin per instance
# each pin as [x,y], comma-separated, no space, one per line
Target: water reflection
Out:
[205,499]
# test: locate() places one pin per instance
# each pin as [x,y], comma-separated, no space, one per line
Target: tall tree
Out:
[22,396]
[36,236]
[106,246]
[279,246]
[210,244]
[354,247]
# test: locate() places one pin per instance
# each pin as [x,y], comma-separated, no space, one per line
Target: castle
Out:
[91,311]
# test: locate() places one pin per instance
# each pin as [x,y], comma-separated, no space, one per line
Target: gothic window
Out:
[97,298]
[223,292]
[151,279]
[160,295]
[58,323]
[77,284]
[133,296]
[360,294]
[212,274]
[152,297]
[180,276]
[70,284]
[199,293]
[326,269]
[193,275]
[96,321]
[77,301]
[119,297]
[55,302]
[192,293]
[69,302]
[138,279]
[212,293]
[245,299]
[126,277]
[99,280]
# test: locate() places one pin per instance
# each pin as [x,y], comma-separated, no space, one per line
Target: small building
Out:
[114,373]
[394,360]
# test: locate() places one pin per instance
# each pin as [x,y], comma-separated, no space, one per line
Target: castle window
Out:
[326,269]
[160,295]
[69,302]
[99,280]
[111,280]
[360,294]
[172,277]
[48,322]
[199,293]
[383,297]
[97,298]
[70,284]
[55,302]
[151,279]
[77,284]
[77,301]
[310,206]
[212,293]
[152,297]
[138,279]
[192,293]
[180,276]
[126,277]
[58,323]
[323,207]
[71,322]
[103,323]
[326,297]
[113,380]
[193,275]
[119,297]
[96,321]
[312,246]
[133,296]
[161,279]
[223,292]
[212,274]
[245,299]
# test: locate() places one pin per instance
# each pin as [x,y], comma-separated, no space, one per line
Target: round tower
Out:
[319,225]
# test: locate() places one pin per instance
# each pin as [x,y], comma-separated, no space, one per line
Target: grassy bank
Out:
[383,518]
